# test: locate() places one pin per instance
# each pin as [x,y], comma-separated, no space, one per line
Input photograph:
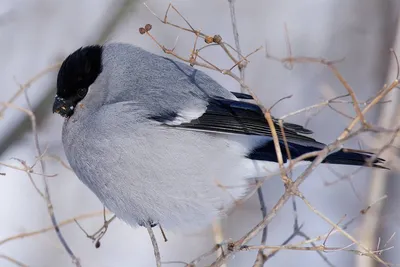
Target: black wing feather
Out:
[237,117]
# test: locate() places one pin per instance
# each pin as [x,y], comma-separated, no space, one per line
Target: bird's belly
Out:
[185,179]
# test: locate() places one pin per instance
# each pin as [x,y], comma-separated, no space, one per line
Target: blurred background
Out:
[35,34]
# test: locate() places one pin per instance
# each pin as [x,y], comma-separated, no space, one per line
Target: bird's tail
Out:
[345,156]
[354,157]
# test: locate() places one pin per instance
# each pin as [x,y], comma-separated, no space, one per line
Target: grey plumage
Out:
[155,139]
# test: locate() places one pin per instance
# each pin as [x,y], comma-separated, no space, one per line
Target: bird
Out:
[161,142]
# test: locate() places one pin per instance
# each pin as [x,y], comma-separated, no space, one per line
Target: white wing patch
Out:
[187,115]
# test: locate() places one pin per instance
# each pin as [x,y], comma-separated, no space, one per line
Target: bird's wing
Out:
[235,117]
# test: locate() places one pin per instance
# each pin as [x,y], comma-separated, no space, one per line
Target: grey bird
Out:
[160,142]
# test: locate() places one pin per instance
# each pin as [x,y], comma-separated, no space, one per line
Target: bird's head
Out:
[78,71]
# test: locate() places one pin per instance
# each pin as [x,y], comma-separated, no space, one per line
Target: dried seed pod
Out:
[217,39]
[142,30]
[209,39]
[148,27]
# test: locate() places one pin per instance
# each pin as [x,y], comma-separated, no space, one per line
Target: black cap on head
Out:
[78,71]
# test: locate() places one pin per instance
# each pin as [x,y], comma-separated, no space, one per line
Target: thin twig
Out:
[205,255]
[50,228]
[12,260]
[99,234]
[25,170]
[218,237]
[334,70]
[321,248]
[47,196]
[28,84]
[368,252]
[58,159]
[237,42]
[32,181]
[261,258]
[155,245]
[163,233]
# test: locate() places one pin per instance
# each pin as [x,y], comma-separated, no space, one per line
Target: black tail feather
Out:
[344,156]
[355,158]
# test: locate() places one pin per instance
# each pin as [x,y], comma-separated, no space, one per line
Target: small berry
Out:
[217,39]
[209,39]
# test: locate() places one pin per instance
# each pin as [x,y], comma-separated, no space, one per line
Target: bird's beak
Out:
[62,107]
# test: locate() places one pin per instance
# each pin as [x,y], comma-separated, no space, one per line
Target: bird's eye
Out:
[82,92]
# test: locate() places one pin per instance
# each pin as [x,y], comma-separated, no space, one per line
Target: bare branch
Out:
[51,228]
[47,196]
[12,260]
[28,84]
[155,245]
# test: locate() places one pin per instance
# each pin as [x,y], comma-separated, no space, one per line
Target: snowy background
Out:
[35,34]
